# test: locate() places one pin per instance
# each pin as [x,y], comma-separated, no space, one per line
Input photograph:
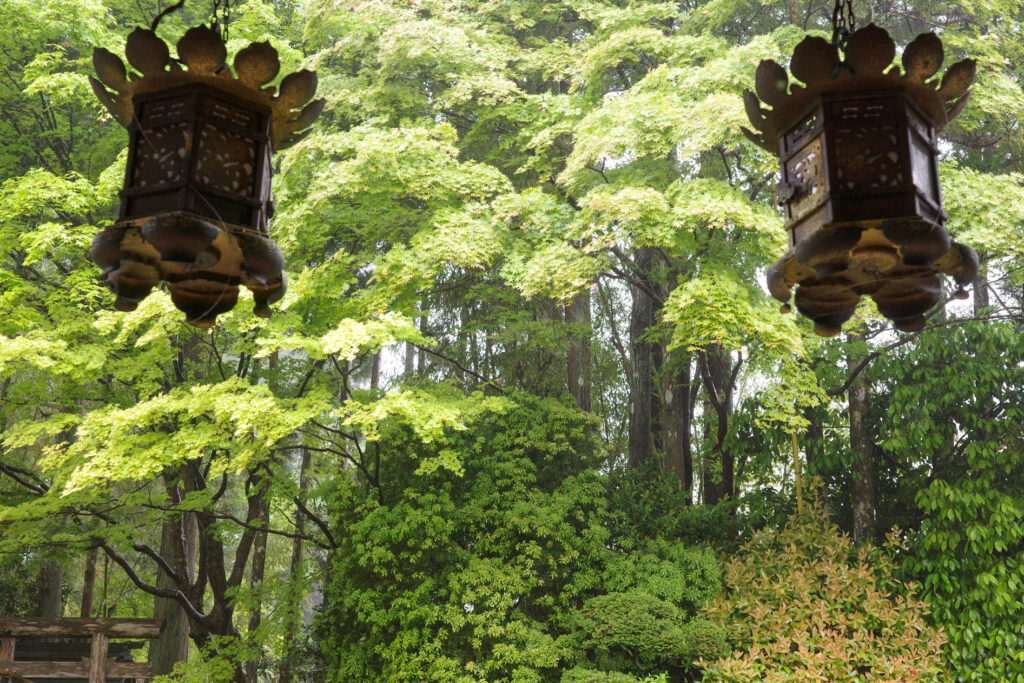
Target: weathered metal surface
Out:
[201,60]
[860,184]
[196,197]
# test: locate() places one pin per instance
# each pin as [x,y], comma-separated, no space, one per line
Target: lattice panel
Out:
[226,161]
[217,109]
[801,131]
[805,174]
[160,155]
[868,157]
[163,109]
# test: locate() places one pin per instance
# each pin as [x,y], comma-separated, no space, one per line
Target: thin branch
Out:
[158,18]
[17,474]
[461,367]
[316,520]
[158,558]
[171,594]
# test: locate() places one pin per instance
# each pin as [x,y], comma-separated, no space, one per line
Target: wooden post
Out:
[98,658]
[6,650]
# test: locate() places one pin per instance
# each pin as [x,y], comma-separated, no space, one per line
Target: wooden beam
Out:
[41,627]
[78,669]
[98,658]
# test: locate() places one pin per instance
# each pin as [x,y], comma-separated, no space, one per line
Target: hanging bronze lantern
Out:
[860,178]
[196,197]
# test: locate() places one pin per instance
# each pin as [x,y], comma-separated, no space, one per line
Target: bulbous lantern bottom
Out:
[196,198]
[202,264]
[896,263]
[860,184]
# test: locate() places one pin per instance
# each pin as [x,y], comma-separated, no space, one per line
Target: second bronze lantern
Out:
[196,197]
[860,182]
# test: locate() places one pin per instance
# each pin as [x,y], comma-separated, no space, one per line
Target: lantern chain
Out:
[221,17]
[843,23]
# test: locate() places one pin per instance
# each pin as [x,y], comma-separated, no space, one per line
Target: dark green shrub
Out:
[639,633]
[591,676]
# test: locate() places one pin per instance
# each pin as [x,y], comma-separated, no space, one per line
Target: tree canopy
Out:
[526,412]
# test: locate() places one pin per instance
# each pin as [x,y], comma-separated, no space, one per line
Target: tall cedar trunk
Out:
[294,604]
[861,448]
[980,286]
[718,474]
[641,445]
[421,358]
[259,563]
[177,542]
[577,314]
[51,587]
[678,455]
[410,359]
[375,371]
[88,584]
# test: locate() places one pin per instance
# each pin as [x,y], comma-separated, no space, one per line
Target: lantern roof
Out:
[867,65]
[202,59]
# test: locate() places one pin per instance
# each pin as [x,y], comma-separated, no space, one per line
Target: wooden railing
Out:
[97,668]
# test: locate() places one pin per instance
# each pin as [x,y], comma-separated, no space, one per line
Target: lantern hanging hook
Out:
[843,23]
[158,18]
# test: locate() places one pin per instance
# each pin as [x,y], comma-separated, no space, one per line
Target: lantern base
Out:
[897,263]
[202,262]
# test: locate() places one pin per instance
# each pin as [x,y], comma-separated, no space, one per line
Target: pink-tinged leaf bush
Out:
[803,604]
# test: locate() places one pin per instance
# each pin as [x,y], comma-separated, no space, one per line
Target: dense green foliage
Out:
[968,553]
[526,399]
[502,570]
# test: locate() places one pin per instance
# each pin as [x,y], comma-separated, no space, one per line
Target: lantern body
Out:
[859,157]
[859,173]
[196,197]
[197,149]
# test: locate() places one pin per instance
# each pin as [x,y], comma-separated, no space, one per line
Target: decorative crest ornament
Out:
[860,180]
[196,197]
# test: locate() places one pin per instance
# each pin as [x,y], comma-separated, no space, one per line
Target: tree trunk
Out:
[861,448]
[295,601]
[410,359]
[577,314]
[89,583]
[51,587]
[717,373]
[421,358]
[375,371]
[678,455]
[177,541]
[980,286]
[257,571]
[641,445]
